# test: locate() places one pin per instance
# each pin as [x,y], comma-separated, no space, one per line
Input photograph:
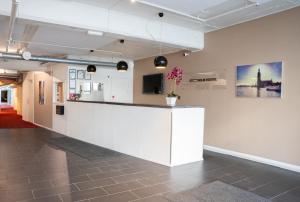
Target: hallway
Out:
[40,165]
[10,119]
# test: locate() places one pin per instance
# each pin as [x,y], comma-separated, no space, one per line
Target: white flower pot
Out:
[171,101]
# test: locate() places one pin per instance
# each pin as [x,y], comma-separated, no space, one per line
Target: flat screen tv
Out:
[153,84]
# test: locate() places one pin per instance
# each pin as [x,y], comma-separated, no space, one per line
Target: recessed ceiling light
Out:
[95,33]
[133,1]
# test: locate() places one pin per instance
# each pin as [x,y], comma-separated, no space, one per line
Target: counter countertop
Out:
[137,105]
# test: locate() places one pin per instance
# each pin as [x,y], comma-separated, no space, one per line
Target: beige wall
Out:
[43,113]
[27,96]
[268,128]
[17,101]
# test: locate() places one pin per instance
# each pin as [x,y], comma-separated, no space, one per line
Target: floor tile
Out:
[289,196]
[54,191]
[95,183]
[120,197]
[83,195]
[152,190]
[112,189]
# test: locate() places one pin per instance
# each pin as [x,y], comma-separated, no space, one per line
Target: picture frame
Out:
[260,80]
[72,84]
[72,74]
[81,74]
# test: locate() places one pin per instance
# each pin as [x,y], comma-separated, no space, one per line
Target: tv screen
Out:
[153,84]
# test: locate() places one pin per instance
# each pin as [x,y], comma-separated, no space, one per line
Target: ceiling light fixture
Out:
[91,69]
[95,33]
[160,61]
[122,66]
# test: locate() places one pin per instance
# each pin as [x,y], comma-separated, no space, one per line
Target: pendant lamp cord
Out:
[161,29]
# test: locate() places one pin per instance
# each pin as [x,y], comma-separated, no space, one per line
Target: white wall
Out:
[117,84]
[60,74]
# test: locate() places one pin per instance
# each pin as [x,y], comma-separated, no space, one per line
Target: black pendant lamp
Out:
[91,69]
[122,66]
[160,62]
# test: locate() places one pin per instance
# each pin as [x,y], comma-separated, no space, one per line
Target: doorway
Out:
[4,97]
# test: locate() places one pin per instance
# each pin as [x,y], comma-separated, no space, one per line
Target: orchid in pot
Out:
[175,75]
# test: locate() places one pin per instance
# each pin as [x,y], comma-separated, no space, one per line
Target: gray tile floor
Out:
[39,165]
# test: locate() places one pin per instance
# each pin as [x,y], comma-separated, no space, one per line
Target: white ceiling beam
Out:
[89,17]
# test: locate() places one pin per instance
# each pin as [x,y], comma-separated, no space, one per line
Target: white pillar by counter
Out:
[169,136]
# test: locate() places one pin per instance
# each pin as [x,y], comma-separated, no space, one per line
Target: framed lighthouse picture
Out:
[259,80]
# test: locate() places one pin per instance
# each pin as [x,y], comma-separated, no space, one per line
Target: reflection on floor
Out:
[33,167]
[10,119]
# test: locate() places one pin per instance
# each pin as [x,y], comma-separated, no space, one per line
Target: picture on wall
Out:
[80,74]
[72,84]
[41,92]
[72,74]
[259,80]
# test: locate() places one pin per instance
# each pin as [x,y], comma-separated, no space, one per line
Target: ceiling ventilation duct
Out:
[13,56]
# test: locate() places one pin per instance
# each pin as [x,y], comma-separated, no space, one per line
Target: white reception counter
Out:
[166,135]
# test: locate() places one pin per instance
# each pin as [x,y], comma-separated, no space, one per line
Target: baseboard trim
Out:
[258,159]
[45,127]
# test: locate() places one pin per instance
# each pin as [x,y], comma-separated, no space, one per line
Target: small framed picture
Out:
[80,74]
[72,84]
[72,74]
[88,76]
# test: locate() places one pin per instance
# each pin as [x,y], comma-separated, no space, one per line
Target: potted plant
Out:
[175,75]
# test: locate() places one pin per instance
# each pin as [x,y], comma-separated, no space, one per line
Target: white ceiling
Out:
[204,15]
[192,7]
[217,14]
